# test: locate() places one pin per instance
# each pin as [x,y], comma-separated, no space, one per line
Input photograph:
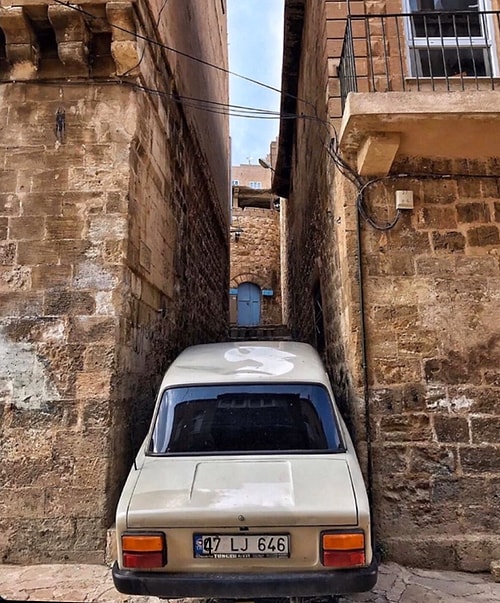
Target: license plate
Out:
[222,546]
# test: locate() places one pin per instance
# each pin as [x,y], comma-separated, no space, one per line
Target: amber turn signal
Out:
[343,541]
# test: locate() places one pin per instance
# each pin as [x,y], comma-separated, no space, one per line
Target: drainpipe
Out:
[366,397]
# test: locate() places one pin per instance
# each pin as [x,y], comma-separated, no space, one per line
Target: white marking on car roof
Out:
[260,360]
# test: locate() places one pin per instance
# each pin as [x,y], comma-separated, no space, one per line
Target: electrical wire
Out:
[171,49]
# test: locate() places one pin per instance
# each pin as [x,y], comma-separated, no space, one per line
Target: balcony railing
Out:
[426,50]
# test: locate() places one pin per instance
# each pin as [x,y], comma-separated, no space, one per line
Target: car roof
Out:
[246,362]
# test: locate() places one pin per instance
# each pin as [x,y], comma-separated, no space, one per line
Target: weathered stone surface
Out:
[495,570]
[87,326]
[422,347]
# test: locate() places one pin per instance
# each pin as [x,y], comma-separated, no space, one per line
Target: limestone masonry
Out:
[114,249]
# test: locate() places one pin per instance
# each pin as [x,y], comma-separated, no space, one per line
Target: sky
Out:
[255,51]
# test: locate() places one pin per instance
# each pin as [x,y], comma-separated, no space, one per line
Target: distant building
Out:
[255,279]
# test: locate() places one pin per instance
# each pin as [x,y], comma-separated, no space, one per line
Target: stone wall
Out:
[411,328]
[433,330]
[113,257]
[255,257]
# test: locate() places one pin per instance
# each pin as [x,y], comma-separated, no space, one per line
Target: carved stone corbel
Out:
[72,38]
[124,42]
[20,39]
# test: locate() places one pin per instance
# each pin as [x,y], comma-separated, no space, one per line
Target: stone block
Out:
[451,489]
[50,276]
[9,204]
[473,212]
[8,182]
[432,459]
[50,180]
[4,222]
[496,207]
[7,254]
[38,471]
[480,459]
[407,427]
[392,372]
[69,302]
[64,228]
[94,275]
[90,533]
[474,553]
[448,241]
[483,236]
[451,370]
[72,251]
[65,360]
[21,304]
[44,204]
[422,552]
[111,546]
[477,266]
[469,187]
[37,253]
[28,541]
[27,228]
[14,278]
[34,329]
[95,385]
[451,429]
[32,502]
[485,430]
[114,252]
[92,329]
[83,502]
[389,459]
[90,472]
[83,445]
[495,570]
[442,218]
[108,227]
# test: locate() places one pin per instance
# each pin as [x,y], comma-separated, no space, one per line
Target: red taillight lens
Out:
[144,550]
[343,558]
[343,549]
[143,560]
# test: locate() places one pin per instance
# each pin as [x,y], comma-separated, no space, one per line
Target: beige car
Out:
[247,484]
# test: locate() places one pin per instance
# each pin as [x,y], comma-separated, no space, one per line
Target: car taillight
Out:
[343,549]
[144,551]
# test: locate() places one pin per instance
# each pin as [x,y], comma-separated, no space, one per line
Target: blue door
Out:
[248,305]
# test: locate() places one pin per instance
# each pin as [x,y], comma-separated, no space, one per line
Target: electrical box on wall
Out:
[404,199]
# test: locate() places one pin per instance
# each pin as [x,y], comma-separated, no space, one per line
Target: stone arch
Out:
[247,277]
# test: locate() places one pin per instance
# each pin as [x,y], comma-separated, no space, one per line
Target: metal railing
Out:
[426,50]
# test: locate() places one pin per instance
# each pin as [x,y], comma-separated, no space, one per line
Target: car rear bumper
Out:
[246,585]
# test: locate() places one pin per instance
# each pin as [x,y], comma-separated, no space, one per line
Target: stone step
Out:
[260,333]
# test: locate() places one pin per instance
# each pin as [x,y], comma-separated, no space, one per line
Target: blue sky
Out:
[255,51]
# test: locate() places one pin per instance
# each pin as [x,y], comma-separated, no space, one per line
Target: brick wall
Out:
[113,257]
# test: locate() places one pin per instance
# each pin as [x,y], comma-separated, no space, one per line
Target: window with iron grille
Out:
[449,38]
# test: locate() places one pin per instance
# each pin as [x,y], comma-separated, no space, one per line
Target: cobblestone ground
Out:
[90,583]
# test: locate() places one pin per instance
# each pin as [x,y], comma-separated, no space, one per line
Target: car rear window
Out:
[245,419]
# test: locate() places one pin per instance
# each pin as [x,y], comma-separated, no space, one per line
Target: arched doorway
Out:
[248,305]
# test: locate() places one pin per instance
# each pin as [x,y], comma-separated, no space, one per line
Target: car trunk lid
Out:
[228,491]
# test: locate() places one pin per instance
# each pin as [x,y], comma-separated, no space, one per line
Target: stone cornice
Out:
[49,39]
